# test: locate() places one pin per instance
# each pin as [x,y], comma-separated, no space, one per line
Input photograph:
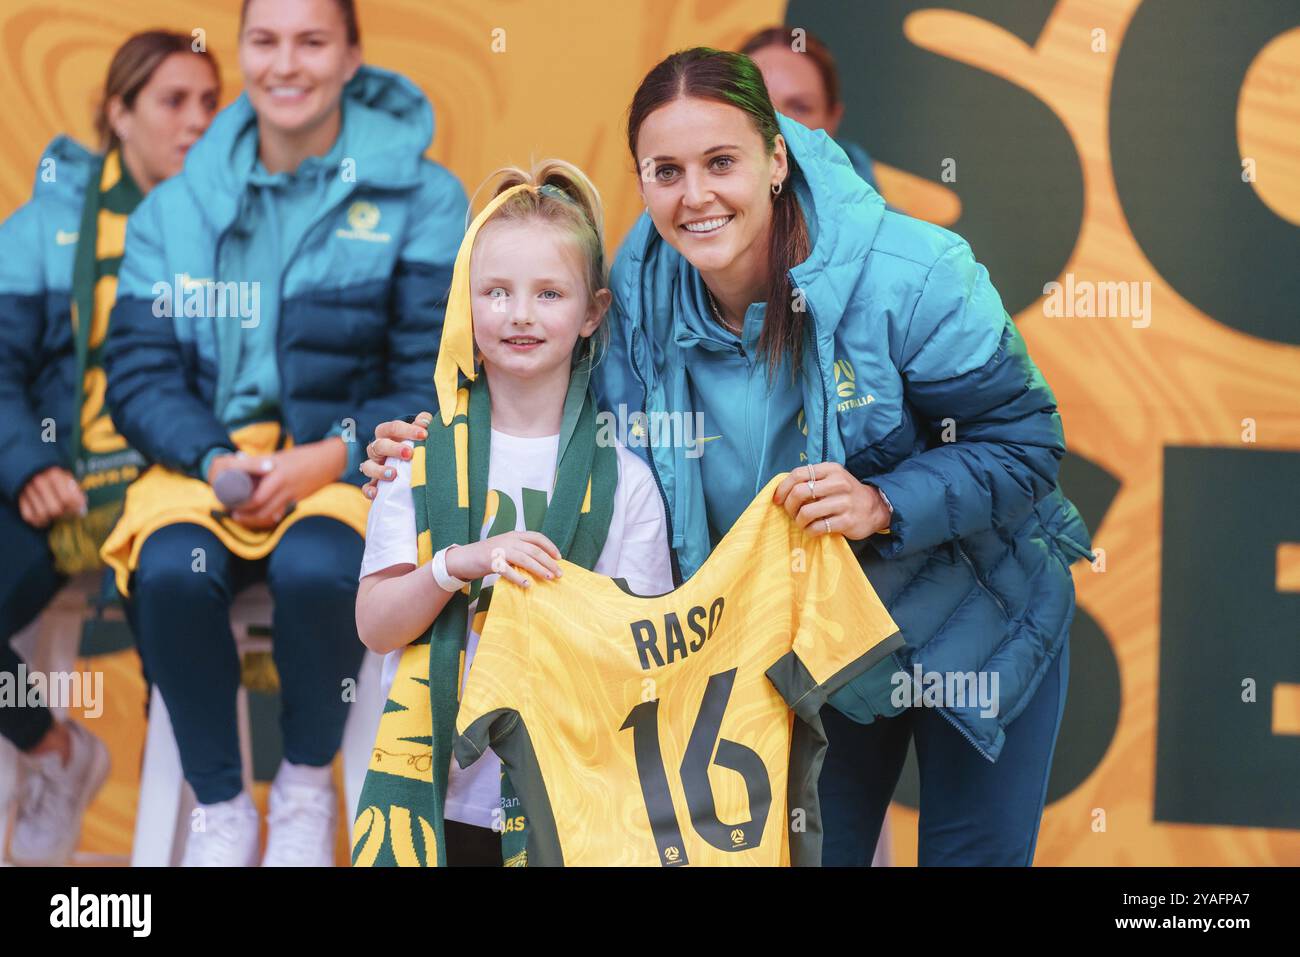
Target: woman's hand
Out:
[390,439]
[283,478]
[826,497]
[50,495]
[509,555]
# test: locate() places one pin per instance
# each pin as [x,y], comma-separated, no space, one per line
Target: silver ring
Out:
[812,488]
[827,523]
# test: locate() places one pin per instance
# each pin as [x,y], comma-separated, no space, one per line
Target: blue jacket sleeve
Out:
[148,394]
[420,286]
[23,305]
[995,431]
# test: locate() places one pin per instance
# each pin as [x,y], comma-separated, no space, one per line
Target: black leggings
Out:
[471,846]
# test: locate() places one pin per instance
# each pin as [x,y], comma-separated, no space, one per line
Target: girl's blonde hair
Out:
[562,196]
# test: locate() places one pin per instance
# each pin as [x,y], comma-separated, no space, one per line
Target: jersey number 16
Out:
[644,722]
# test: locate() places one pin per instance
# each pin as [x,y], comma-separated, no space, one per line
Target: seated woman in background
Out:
[312,244]
[63,466]
[805,86]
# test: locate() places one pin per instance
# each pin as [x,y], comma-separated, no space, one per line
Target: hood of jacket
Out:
[387,127]
[63,171]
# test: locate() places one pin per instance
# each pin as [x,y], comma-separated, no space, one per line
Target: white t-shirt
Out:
[521,475]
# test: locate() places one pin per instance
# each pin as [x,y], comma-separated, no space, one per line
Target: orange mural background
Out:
[561,88]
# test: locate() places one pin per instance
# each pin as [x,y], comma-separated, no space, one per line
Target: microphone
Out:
[234,487]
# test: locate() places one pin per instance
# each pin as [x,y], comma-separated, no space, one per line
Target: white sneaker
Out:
[54,799]
[302,824]
[226,834]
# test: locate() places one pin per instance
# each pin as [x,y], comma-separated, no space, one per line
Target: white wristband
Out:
[440,575]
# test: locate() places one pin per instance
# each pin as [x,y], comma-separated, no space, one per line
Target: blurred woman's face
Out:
[170,113]
[706,180]
[296,59]
[796,88]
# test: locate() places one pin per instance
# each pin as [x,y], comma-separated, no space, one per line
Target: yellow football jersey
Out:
[681,729]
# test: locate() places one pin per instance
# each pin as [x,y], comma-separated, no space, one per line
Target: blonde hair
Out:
[563,197]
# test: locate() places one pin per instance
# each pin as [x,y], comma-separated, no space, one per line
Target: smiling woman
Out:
[295,64]
[311,191]
[758,232]
[715,188]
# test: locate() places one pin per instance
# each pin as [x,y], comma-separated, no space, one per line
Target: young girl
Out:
[517,448]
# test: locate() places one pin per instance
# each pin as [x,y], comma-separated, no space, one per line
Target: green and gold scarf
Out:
[400,815]
[102,462]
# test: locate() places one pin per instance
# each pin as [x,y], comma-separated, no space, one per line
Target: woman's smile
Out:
[708,227]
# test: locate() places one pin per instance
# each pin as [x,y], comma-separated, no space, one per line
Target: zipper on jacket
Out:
[817,352]
[966,734]
[654,471]
[979,581]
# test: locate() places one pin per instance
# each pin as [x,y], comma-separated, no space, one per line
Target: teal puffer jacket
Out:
[908,344]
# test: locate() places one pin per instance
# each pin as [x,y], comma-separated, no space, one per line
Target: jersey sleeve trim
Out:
[807,753]
[482,734]
[800,689]
[513,745]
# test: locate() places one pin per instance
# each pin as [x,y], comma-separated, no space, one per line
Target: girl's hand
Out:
[509,555]
[390,439]
[826,497]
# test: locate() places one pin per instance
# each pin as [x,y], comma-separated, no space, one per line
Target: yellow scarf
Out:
[456,352]
[163,497]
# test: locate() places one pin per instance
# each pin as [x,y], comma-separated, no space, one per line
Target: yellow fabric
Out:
[111,236]
[163,497]
[456,352]
[112,171]
[561,653]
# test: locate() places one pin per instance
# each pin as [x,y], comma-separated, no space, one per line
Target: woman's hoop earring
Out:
[776,189]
